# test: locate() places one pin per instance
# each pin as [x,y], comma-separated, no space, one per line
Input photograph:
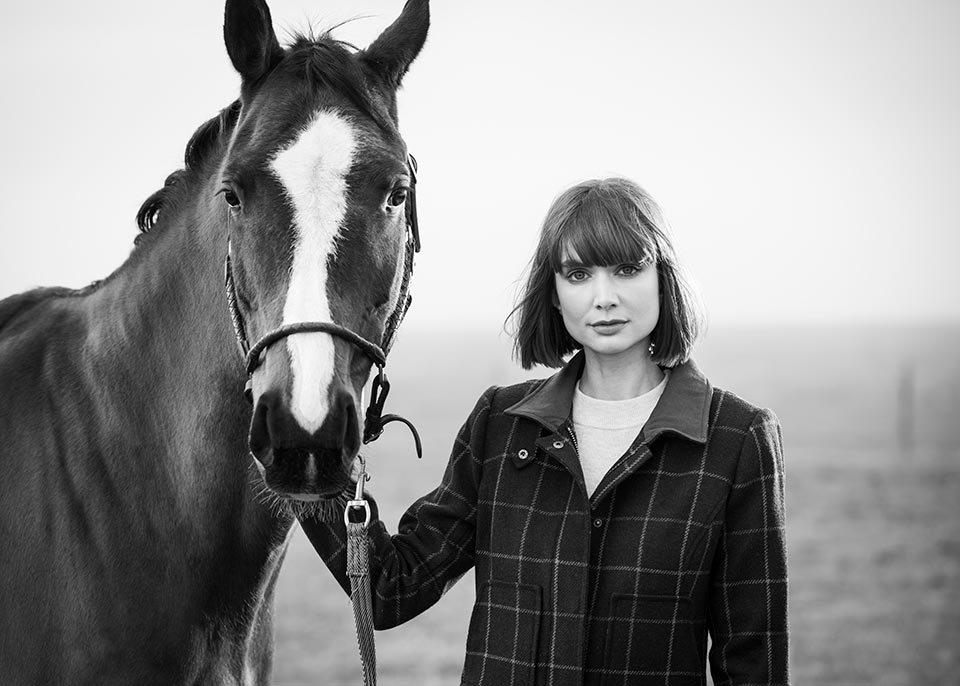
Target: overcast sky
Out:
[806,154]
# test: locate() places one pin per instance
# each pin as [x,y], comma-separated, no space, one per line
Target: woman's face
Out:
[610,310]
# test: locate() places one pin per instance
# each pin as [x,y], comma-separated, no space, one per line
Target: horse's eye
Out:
[397,197]
[231,198]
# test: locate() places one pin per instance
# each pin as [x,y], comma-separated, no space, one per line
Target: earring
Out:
[651,347]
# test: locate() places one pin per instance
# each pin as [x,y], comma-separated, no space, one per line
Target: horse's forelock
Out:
[326,62]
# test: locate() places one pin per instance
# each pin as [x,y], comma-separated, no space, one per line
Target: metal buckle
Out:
[357,504]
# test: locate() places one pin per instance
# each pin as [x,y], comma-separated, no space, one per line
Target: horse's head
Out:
[314,186]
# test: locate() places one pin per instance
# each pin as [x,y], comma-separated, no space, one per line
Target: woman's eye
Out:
[397,197]
[576,275]
[231,198]
[633,268]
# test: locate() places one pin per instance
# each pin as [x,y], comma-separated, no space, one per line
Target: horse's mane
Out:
[21,302]
[323,61]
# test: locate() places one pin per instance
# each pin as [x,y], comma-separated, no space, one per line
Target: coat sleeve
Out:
[434,546]
[748,604]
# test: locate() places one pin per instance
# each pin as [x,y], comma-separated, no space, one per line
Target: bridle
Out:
[374,420]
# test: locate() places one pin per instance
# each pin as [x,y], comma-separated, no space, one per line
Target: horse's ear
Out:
[250,39]
[391,54]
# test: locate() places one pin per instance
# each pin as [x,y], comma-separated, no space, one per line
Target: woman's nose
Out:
[605,294]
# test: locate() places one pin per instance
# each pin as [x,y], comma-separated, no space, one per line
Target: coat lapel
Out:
[550,403]
[684,407]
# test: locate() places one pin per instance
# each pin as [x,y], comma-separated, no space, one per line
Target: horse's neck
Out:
[166,362]
[168,314]
[159,328]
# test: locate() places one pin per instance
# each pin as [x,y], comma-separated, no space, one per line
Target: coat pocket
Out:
[652,639]
[502,640]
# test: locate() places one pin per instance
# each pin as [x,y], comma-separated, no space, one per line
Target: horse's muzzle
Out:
[300,464]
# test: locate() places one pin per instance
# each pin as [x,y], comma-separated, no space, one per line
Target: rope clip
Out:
[359,502]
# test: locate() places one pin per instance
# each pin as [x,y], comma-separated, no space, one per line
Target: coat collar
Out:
[684,407]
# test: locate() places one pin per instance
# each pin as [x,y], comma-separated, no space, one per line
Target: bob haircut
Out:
[604,222]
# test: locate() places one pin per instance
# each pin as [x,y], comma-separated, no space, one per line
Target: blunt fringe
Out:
[604,222]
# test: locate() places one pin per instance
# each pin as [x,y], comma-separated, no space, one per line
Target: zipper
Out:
[576,449]
[573,439]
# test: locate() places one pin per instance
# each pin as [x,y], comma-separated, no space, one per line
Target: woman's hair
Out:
[604,222]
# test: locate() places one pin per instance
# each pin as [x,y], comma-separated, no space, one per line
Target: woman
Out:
[617,512]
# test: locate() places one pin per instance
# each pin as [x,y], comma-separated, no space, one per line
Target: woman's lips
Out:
[608,326]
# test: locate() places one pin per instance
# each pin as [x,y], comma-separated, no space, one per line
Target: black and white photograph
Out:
[420,343]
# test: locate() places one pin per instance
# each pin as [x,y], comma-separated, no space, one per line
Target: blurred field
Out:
[872,443]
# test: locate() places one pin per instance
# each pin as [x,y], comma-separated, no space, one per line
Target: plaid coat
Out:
[683,537]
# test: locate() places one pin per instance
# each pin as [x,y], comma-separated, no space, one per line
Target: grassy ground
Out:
[873,496]
[875,566]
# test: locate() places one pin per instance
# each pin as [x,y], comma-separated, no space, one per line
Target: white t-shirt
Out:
[606,428]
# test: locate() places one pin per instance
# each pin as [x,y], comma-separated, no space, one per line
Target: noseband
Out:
[375,420]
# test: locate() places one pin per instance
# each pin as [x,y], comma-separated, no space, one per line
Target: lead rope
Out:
[358,570]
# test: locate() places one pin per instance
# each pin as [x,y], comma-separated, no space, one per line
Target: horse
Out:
[141,543]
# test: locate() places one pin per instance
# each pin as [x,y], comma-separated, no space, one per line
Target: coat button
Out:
[597,523]
[522,454]
[558,444]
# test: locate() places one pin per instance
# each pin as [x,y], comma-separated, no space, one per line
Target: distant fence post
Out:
[906,401]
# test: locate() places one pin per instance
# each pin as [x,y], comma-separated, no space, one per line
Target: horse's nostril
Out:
[349,425]
[261,442]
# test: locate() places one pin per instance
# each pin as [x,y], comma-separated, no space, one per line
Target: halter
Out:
[374,420]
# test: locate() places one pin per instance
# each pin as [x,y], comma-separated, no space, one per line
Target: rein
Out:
[358,566]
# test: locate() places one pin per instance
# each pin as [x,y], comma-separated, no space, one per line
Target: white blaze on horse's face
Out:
[313,170]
